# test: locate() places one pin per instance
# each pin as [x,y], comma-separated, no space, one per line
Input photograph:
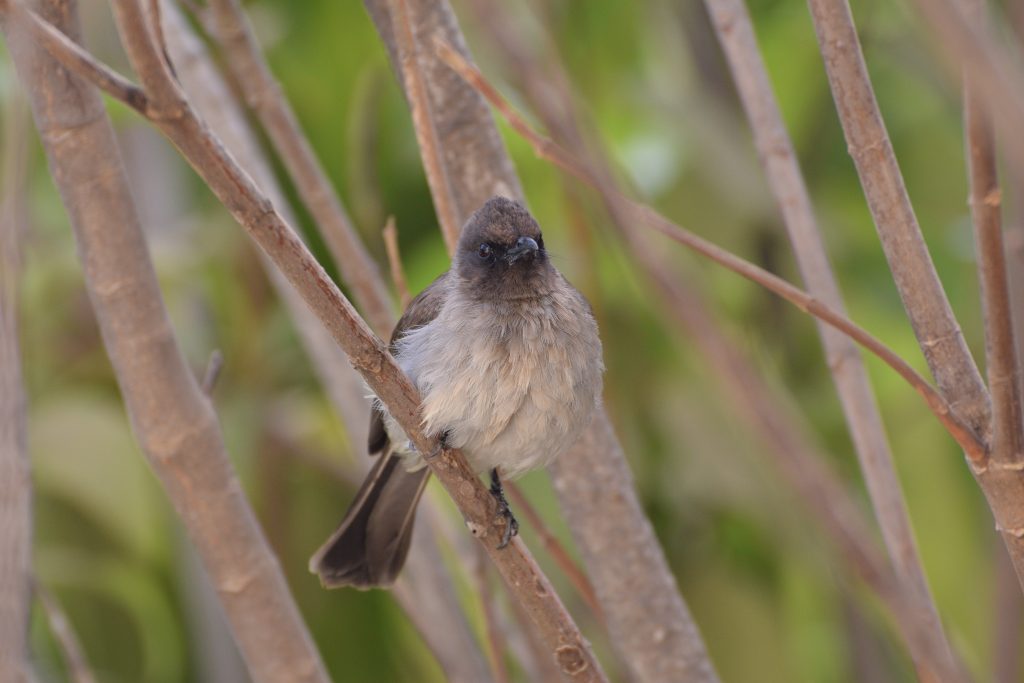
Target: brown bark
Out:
[425,591]
[15,472]
[662,643]
[938,333]
[172,419]
[736,34]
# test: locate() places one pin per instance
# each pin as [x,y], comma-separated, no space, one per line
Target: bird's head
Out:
[501,253]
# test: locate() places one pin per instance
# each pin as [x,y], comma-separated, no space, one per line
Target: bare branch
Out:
[395,262]
[425,590]
[422,119]
[736,34]
[366,352]
[172,420]
[67,640]
[986,211]
[650,623]
[924,299]
[15,469]
[263,94]
[547,149]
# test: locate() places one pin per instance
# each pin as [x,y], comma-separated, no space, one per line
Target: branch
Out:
[425,589]
[172,420]
[781,169]
[15,468]
[549,150]
[649,621]
[395,262]
[264,96]
[1000,349]
[366,352]
[799,461]
[924,299]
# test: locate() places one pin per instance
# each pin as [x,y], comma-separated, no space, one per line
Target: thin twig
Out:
[264,96]
[366,352]
[63,632]
[492,629]
[422,120]
[549,150]
[395,262]
[212,373]
[937,330]
[174,423]
[556,550]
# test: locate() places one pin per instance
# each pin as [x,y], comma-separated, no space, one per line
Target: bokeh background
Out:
[772,599]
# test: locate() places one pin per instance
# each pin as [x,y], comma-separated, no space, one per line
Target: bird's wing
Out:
[420,311]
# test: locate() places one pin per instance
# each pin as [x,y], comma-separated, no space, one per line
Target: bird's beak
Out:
[525,246]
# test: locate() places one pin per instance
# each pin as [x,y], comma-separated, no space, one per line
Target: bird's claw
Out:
[511,524]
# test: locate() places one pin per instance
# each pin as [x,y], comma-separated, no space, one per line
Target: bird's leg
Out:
[511,525]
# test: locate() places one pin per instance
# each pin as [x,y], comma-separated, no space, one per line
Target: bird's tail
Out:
[372,542]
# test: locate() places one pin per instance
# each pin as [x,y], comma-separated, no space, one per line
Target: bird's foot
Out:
[511,524]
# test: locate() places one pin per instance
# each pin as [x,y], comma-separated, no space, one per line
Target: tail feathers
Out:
[370,547]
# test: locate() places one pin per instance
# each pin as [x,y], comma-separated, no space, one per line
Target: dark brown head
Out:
[501,253]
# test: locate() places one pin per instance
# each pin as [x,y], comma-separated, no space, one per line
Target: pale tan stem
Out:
[395,262]
[15,469]
[64,634]
[937,330]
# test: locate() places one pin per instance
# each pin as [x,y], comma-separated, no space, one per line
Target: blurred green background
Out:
[773,600]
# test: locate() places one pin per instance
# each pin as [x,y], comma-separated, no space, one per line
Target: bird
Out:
[507,359]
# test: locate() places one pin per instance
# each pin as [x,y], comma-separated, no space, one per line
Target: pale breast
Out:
[512,385]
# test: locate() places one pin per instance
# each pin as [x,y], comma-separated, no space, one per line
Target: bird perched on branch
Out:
[507,360]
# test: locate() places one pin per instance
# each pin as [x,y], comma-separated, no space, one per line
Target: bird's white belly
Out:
[512,398]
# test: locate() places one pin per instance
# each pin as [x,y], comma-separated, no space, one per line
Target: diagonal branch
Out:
[172,420]
[547,149]
[938,333]
[425,590]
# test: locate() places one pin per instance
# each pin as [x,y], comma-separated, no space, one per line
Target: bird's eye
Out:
[484,251]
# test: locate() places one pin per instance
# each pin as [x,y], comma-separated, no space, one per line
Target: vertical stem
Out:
[15,475]
[736,33]
[938,333]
